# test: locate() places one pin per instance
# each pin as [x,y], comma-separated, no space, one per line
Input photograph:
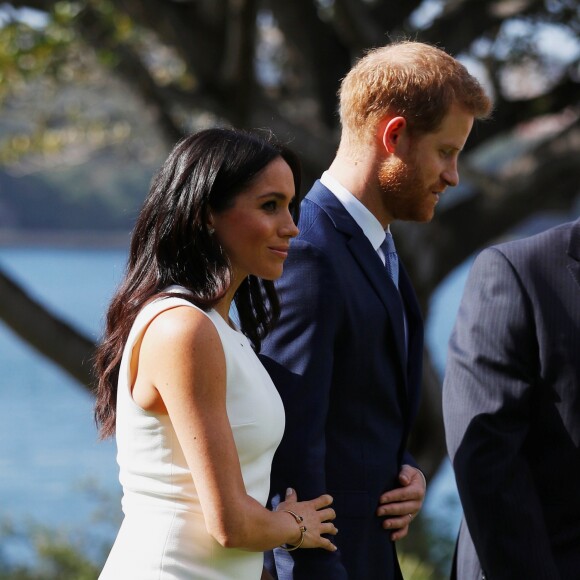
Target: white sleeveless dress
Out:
[163,534]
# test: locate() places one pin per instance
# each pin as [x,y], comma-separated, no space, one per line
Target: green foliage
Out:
[54,555]
[427,551]
[61,554]
[414,569]
[77,150]
[27,52]
[54,50]
[41,67]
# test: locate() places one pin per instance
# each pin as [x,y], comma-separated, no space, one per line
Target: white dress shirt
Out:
[367,222]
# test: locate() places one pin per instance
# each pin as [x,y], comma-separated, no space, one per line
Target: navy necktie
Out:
[392,266]
[391,258]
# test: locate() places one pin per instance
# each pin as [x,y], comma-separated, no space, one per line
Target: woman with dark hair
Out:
[196,417]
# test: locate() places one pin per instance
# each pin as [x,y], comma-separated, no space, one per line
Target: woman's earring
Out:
[211,231]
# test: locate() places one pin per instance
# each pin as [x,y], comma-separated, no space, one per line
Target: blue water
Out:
[53,470]
[51,462]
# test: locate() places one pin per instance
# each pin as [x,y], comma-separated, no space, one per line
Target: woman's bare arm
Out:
[181,362]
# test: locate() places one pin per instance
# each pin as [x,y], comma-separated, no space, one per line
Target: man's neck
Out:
[359,176]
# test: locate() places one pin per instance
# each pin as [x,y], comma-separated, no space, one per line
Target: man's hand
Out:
[402,504]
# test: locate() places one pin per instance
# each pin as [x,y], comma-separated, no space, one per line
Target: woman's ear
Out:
[209,224]
[391,131]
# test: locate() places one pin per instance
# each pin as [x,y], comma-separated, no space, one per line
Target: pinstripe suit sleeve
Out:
[487,396]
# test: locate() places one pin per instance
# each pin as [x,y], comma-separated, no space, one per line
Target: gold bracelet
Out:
[299,520]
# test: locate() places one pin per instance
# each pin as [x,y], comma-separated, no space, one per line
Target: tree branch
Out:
[470,19]
[49,335]
[323,57]
[508,114]
[100,35]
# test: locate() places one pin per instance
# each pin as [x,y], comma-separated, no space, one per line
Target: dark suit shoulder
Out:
[315,225]
[537,252]
[546,241]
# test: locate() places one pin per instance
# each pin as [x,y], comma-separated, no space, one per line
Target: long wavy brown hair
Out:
[171,244]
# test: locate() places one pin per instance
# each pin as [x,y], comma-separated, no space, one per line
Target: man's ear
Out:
[390,132]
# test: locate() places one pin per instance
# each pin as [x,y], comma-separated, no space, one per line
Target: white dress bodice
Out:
[163,535]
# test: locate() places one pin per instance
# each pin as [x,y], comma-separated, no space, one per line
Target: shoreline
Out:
[86,239]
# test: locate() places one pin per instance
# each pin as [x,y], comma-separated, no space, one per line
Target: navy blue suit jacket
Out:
[350,387]
[512,410]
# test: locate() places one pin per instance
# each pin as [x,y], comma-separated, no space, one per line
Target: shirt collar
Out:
[368,223]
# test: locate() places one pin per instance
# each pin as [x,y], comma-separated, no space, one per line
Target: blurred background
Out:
[94,93]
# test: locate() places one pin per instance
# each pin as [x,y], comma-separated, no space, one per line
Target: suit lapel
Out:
[574,252]
[369,261]
[415,328]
